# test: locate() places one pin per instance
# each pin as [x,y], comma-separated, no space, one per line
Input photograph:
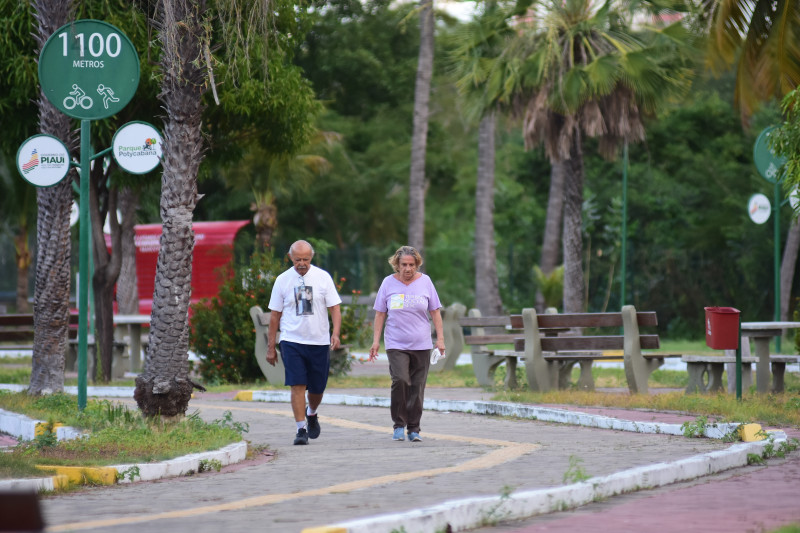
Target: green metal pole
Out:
[623,252]
[777,238]
[83,262]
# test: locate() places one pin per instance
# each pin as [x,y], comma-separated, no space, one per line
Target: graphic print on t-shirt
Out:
[396,301]
[407,301]
[304,298]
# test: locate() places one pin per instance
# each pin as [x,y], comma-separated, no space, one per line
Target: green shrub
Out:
[222,331]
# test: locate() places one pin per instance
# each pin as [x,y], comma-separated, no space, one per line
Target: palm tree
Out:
[419,136]
[762,40]
[270,176]
[481,81]
[164,387]
[584,72]
[51,289]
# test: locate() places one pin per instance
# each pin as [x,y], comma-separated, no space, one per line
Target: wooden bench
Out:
[17,332]
[549,354]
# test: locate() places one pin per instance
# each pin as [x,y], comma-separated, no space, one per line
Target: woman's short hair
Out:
[394,260]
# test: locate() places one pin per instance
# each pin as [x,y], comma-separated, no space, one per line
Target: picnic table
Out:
[762,333]
[134,324]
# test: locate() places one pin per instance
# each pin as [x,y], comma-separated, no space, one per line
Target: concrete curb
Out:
[25,428]
[546,414]
[105,392]
[471,513]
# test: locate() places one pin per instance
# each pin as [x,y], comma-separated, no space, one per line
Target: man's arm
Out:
[272,333]
[336,318]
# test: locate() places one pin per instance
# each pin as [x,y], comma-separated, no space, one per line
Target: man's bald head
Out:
[301,253]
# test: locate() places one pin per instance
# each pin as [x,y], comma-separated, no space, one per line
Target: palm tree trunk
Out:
[552,225]
[419,138]
[23,259]
[487,291]
[51,288]
[573,238]
[788,264]
[164,387]
[127,290]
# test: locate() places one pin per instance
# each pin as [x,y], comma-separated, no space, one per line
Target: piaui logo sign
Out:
[43,160]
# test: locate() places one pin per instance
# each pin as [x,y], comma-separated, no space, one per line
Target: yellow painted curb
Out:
[60,482]
[84,475]
[751,432]
[324,529]
[41,427]
[244,396]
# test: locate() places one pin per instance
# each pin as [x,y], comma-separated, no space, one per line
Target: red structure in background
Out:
[213,248]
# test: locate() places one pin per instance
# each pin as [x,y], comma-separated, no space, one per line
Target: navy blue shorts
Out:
[306,364]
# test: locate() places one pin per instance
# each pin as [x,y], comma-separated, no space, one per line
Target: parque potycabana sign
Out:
[89,69]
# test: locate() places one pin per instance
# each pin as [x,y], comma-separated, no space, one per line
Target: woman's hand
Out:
[440,346]
[373,351]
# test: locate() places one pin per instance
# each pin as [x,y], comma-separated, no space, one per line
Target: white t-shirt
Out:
[304,302]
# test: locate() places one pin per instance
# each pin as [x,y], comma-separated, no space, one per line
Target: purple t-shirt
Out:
[407,308]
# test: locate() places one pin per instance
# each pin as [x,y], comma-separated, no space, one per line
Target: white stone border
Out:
[532,412]
[469,513]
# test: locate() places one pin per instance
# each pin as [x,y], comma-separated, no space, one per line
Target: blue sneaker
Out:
[413,436]
[398,434]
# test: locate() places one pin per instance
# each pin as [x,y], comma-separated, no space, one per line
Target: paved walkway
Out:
[354,470]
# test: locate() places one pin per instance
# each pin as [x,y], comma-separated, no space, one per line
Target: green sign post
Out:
[89,70]
[768,165]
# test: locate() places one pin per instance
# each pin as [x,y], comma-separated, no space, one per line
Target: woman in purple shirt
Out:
[403,303]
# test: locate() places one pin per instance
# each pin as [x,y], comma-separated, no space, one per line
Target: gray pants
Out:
[409,371]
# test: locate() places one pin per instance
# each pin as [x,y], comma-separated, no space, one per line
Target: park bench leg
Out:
[696,382]
[586,380]
[778,371]
[747,375]
[715,377]
[565,374]
[484,366]
[511,372]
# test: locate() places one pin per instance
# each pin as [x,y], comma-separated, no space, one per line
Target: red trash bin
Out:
[722,328]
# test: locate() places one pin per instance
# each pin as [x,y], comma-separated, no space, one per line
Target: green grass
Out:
[115,434]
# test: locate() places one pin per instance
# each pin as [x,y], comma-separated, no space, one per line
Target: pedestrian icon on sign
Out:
[108,94]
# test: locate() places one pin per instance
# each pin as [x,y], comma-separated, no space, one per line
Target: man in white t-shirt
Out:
[300,301]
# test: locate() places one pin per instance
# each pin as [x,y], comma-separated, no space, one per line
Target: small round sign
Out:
[759,208]
[137,147]
[89,69]
[765,159]
[43,160]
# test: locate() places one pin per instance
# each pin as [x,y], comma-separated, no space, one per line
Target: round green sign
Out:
[767,162]
[89,69]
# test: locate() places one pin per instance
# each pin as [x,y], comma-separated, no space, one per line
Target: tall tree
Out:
[269,103]
[487,290]
[482,80]
[51,290]
[586,72]
[164,387]
[417,184]
[762,40]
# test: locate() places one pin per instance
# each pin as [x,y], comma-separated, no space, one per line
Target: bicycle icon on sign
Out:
[77,97]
